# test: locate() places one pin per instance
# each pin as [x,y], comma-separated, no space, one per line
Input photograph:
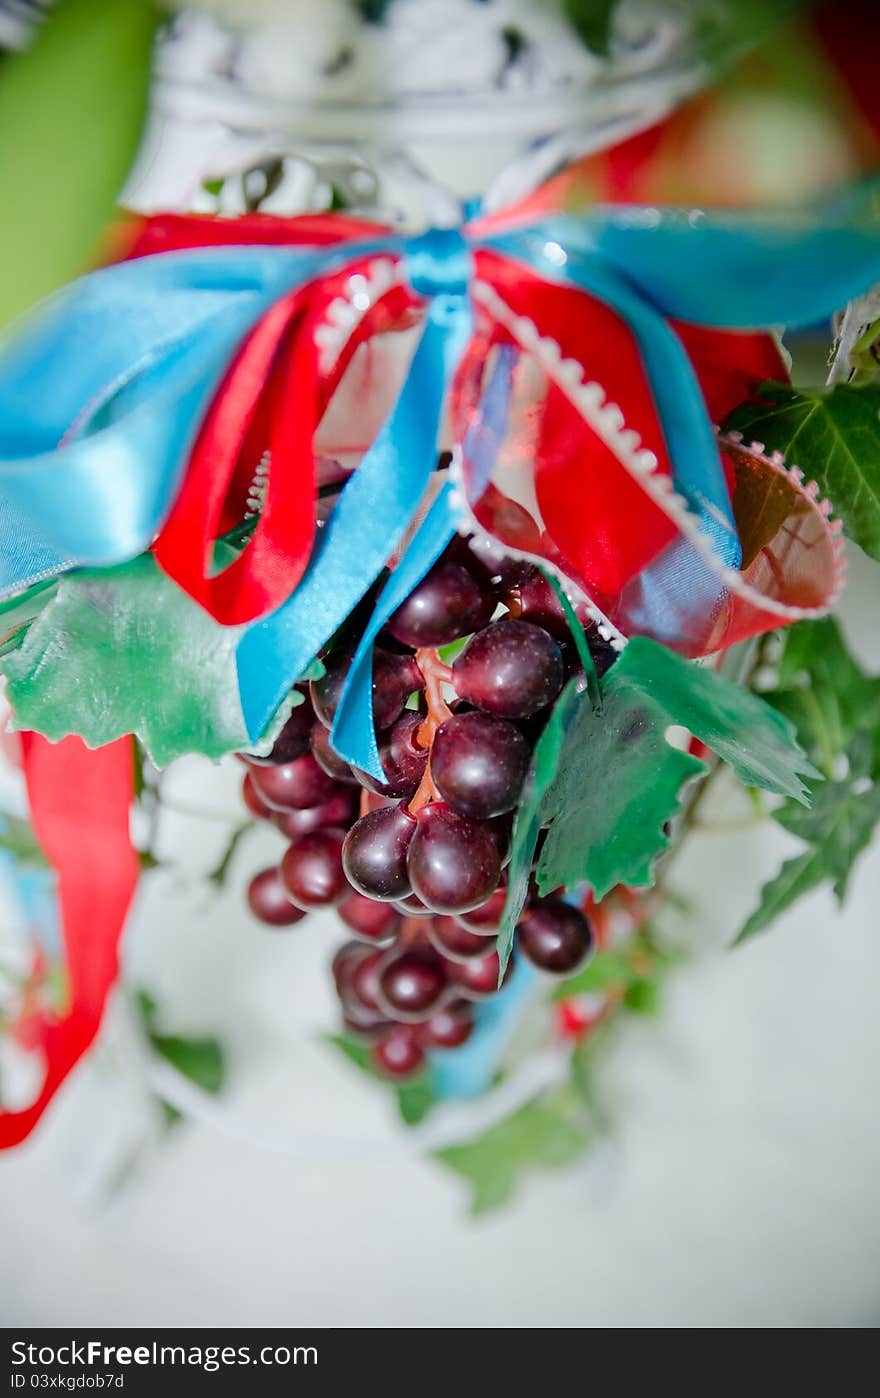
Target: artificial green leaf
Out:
[71,111]
[200,1060]
[823,690]
[619,781]
[605,782]
[124,650]
[530,813]
[18,840]
[548,1133]
[838,828]
[833,435]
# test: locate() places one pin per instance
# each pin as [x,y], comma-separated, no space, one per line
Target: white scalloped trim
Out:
[607,421]
[345,312]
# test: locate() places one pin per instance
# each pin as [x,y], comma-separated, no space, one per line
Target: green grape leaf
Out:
[833,435]
[548,1133]
[124,650]
[71,111]
[605,782]
[837,829]
[823,690]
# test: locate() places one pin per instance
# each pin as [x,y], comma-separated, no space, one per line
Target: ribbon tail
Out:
[354,735]
[370,517]
[79,801]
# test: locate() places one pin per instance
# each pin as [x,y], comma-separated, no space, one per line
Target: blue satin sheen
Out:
[353,735]
[368,521]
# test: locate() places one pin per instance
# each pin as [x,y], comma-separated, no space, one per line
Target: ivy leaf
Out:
[124,650]
[833,435]
[605,781]
[71,111]
[548,1133]
[823,690]
[838,829]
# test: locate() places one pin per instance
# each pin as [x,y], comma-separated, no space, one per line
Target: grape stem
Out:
[435,675]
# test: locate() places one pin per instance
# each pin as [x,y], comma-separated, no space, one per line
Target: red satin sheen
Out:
[79,800]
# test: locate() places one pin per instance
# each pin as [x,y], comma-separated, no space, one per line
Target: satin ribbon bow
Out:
[589,345]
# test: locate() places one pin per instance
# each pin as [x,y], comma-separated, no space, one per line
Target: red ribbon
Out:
[79,801]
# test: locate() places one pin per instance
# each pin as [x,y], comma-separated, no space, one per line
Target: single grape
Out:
[449,602]
[397,1054]
[253,800]
[374,853]
[294,785]
[343,964]
[312,869]
[395,677]
[403,759]
[448,936]
[365,981]
[453,861]
[510,668]
[449,1027]
[479,764]
[555,937]
[476,980]
[293,740]
[269,902]
[328,758]
[486,919]
[378,923]
[411,983]
[342,809]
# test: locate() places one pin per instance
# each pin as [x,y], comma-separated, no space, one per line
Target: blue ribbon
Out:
[375,507]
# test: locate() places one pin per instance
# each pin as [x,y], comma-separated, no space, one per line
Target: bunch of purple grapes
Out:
[415,864]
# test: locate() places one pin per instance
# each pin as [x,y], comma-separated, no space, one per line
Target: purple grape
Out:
[311,869]
[293,740]
[328,758]
[378,923]
[486,919]
[449,602]
[449,1027]
[555,937]
[510,668]
[341,809]
[411,983]
[365,981]
[397,1054]
[476,980]
[479,764]
[268,900]
[395,677]
[452,940]
[253,800]
[402,757]
[453,862]
[294,785]
[374,853]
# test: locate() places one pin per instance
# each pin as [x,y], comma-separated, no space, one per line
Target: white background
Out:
[737,1188]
